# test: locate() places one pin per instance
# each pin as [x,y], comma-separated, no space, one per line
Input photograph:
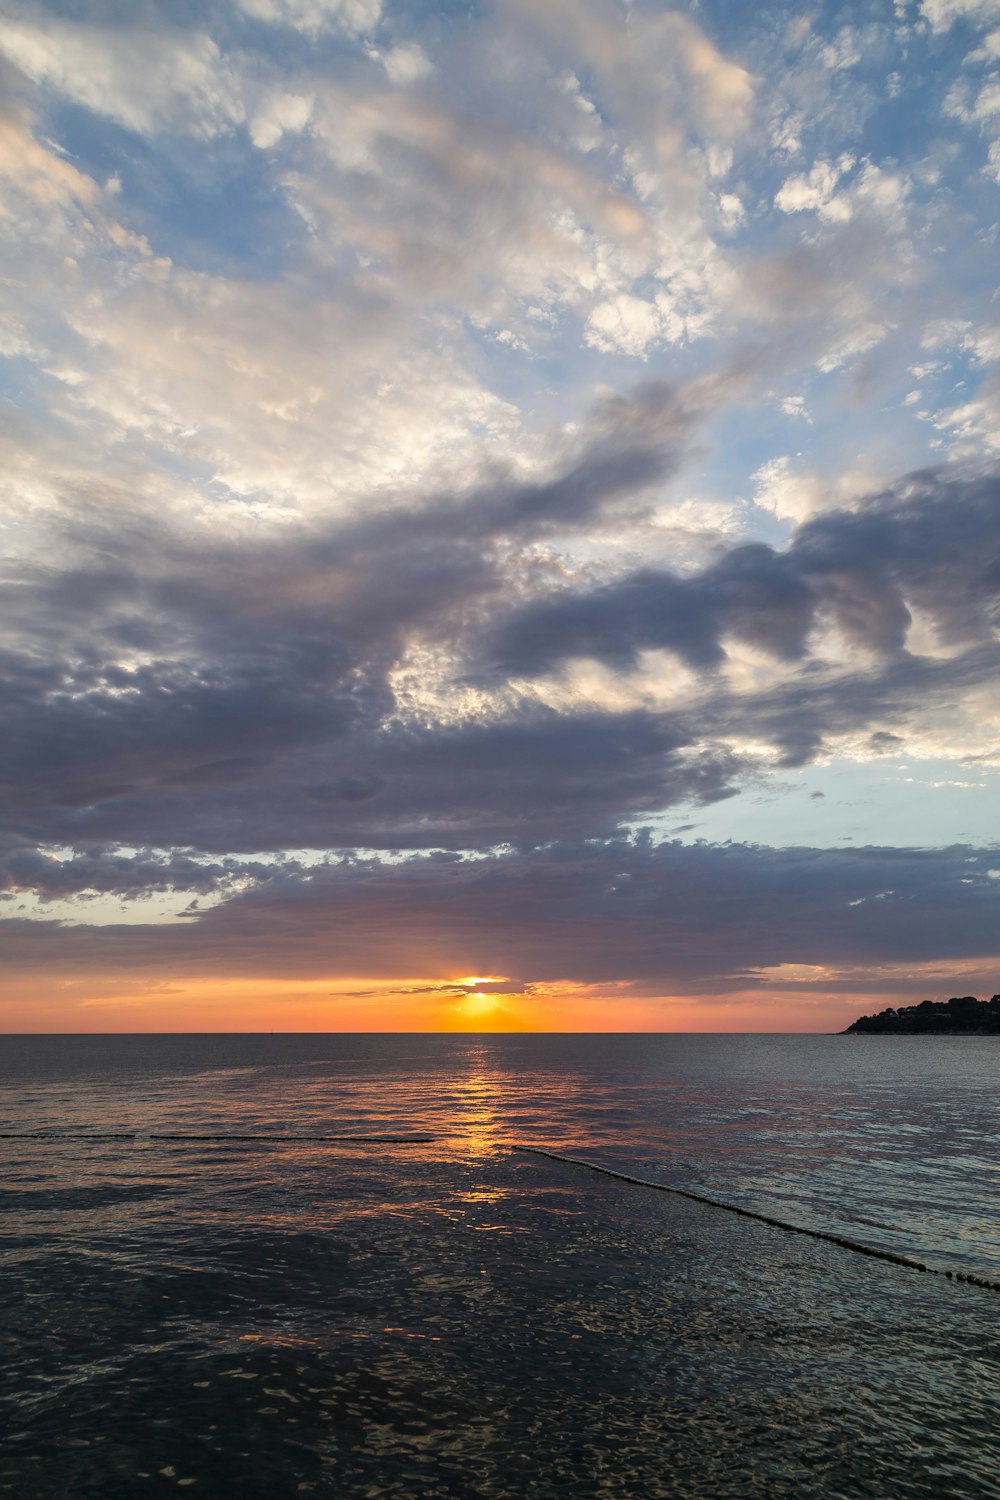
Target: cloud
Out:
[279,112]
[815,190]
[793,492]
[560,209]
[479,210]
[240,696]
[834,613]
[144,78]
[930,540]
[407,63]
[244,687]
[141,343]
[316,16]
[975,424]
[943,14]
[623,912]
[631,63]
[109,871]
[874,193]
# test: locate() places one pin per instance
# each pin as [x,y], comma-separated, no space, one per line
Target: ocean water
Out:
[285,1317]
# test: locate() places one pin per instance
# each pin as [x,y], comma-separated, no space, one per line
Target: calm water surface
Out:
[279,1318]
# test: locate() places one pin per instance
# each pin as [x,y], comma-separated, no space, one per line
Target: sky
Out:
[500,513]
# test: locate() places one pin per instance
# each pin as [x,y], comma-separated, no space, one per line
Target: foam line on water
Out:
[282,1140]
[351,1140]
[749,1213]
[48,1135]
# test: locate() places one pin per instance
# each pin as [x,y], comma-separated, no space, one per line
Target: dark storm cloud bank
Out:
[234,696]
[931,543]
[476,785]
[663,918]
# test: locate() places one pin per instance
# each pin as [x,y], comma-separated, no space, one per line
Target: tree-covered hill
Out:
[963,1015]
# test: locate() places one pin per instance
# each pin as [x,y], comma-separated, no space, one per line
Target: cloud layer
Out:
[243,698]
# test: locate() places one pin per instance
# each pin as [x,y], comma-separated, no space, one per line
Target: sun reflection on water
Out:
[478,1111]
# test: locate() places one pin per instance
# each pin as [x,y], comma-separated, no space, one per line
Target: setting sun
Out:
[479,1004]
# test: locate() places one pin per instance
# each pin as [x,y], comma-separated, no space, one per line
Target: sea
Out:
[205,1292]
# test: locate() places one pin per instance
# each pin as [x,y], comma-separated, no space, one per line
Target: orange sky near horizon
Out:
[128,1003]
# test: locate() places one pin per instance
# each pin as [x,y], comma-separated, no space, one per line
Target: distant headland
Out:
[963,1015]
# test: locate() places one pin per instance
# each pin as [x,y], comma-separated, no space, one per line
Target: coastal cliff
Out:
[963,1015]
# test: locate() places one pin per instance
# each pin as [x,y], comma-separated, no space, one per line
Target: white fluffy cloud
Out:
[795,492]
[147,79]
[407,63]
[316,16]
[943,14]
[815,191]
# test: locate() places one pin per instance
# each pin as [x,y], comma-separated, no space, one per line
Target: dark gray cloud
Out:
[468,786]
[100,871]
[664,918]
[235,694]
[230,696]
[932,542]
[751,591]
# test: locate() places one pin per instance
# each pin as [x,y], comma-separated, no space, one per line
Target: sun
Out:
[478,1004]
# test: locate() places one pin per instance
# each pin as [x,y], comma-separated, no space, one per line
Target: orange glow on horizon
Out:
[791,1000]
[132,1003]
